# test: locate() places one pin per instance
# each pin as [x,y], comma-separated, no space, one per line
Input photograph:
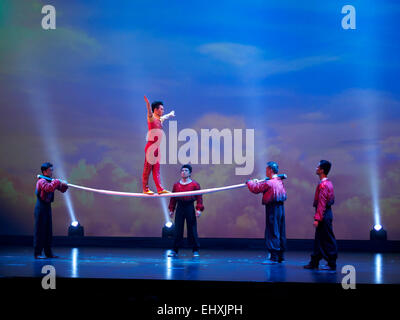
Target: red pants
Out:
[147,168]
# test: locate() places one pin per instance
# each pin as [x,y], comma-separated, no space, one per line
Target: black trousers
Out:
[325,246]
[185,211]
[275,229]
[43,230]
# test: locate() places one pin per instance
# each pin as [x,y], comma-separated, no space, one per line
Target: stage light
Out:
[168,230]
[75,230]
[378,233]
[168,224]
[75,223]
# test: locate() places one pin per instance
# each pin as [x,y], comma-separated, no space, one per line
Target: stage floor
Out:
[212,265]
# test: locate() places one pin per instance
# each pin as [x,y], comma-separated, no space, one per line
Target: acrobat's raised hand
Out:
[167,116]
[148,106]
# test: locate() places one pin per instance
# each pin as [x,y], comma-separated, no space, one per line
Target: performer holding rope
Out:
[155,119]
[274,195]
[43,232]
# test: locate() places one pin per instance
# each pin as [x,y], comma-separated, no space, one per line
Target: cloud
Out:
[7,191]
[252,61]
[82,172]
[232,53]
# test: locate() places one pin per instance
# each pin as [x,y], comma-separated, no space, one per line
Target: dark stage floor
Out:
[212,265]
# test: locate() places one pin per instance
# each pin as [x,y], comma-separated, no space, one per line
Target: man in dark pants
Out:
[325,246]
[274,195]
[43,233]
[185,211]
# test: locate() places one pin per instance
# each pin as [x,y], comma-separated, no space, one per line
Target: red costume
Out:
[148,167]
[323,199]
[45,189]
[274,195]
[325,245]
[179,187]
[272,189]
[43,231]
[185,211]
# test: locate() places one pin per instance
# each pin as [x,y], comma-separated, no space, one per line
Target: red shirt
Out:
[273,190]
[179,187]
[45,189]
[155,124]
[324,197]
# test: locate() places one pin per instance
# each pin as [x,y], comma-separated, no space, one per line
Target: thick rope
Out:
[164,195]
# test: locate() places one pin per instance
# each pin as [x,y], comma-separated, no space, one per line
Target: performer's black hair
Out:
[156,105]
[187,166]
[325,165]
[45,166]
[274,166]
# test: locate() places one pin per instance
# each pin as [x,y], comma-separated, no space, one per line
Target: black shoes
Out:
[311,266]
[47,256]
[274,259]
[314,266]
[37,257]
[328,268]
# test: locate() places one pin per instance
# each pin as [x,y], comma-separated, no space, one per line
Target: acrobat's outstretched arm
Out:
[167,116]
[149,111]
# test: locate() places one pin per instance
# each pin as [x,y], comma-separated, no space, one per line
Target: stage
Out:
[145,279]
[212,265]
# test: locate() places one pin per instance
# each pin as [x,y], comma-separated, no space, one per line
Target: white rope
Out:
[166,195]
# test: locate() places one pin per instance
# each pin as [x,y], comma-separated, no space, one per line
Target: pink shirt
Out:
[324,197]
[179,187]
[273,190]
[45,189]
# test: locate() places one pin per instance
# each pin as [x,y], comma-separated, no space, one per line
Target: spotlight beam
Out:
[41,109]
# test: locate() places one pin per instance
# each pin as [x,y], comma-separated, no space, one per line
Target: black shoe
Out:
[52,256]
[311,266]
[269,262]
[281,259]
[172,253]
[39,257]
[328,268]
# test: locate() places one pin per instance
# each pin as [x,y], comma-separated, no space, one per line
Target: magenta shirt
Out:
[273,190]
[192,186]
[45,189]
[324,197]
